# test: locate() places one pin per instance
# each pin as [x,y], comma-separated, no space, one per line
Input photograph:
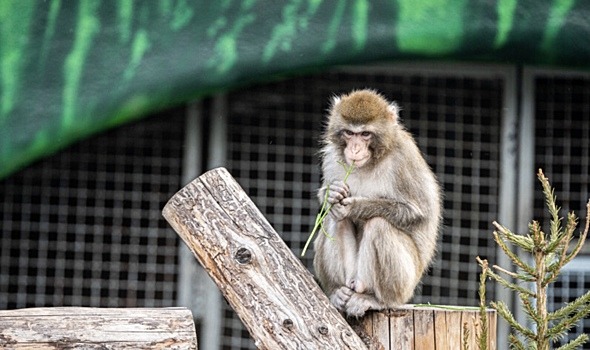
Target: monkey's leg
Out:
[387,268]
[335,260]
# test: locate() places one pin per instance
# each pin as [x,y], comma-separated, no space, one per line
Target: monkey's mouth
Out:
[357,162]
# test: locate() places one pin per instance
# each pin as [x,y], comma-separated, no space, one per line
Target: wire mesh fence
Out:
[562,150]
[83,227]
[273,137]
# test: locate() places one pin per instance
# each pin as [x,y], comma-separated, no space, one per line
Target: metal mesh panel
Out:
[562,150]
[273,140]
[84,228]
[573,282]
[562,141]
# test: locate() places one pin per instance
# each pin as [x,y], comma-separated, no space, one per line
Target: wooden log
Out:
[97,328]
[272,292]
[423,328]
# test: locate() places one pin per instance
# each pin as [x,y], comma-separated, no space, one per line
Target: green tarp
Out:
[71,68]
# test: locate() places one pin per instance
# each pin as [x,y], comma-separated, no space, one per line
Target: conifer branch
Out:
[510,285]
[524,242]
[482,336]
[568,322]
[515,259]
[503,311]
[569,308]
[529,308]
[576,343]
[582,238]
[550,201]
[518,276]
[515,343]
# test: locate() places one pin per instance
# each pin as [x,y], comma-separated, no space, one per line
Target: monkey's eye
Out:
[365,134]
[348,132]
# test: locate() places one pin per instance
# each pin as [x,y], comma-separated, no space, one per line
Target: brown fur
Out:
[362,107]
[385,220]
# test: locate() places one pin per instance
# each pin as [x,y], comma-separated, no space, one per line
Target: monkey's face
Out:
[356,144]
[363,125]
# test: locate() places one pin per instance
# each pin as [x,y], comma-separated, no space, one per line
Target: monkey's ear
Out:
[394,111]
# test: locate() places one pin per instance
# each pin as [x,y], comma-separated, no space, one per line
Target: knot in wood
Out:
[288,323]
[243,256]
[323,330]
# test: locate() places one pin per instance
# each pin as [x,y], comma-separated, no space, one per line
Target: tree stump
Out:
[274,295]
[413,327]
[97,328]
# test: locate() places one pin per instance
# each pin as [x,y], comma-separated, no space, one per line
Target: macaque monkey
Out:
[381,233]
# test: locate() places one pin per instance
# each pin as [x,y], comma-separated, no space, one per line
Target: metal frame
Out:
[196,290]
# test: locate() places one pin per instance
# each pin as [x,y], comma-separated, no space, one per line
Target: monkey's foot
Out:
[340,297]
[358,304]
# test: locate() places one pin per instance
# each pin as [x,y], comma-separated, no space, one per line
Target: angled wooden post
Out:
[269,288]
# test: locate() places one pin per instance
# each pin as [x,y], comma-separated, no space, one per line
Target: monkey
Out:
[381,233]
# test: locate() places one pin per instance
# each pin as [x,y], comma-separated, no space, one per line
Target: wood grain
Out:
[426,328]
[97,328]
[269,288]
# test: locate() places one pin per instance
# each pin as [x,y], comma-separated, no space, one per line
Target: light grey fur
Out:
[383,225]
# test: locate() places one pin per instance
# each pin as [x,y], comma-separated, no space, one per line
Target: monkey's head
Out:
[363,125]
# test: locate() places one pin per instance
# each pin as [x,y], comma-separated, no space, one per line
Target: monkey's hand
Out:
[341,210]
[358,304]
[354,208]
[340,297]
[337,191]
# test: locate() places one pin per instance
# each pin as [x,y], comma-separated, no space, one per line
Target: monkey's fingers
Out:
[339,211]
[337,192]
[359,303]
[335,197]
[340,297]
[341,187]
[348,201]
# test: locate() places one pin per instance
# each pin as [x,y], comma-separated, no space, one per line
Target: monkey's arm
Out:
[402,215]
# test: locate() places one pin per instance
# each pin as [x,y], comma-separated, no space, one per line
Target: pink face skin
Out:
[357,147]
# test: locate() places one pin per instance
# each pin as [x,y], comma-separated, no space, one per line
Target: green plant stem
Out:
[447,307]
[325,209]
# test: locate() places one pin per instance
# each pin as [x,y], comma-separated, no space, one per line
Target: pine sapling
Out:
[549,253]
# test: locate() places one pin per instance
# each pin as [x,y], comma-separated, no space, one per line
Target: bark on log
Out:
[423,328]
[97,328]
[269,288]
